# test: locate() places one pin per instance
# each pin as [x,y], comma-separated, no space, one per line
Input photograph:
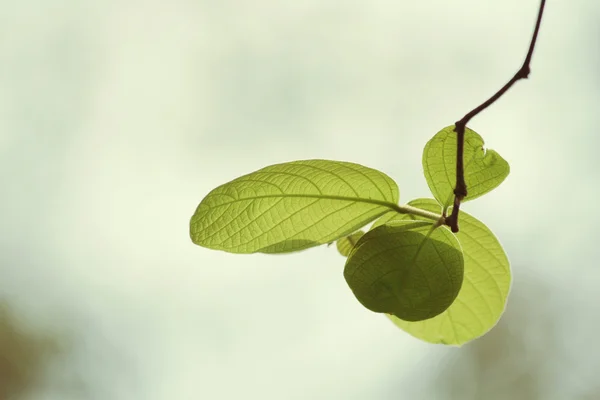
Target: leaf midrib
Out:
[383,203]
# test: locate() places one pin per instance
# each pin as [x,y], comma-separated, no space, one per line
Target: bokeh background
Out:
[117,117]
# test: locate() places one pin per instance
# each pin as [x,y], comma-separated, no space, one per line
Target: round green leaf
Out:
[407,269]
[482,298]
[292,206]
[346,244]
[484,170]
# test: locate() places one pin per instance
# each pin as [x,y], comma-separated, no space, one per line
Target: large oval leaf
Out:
[484,170]
[482,298]
[292,206]
[407,269]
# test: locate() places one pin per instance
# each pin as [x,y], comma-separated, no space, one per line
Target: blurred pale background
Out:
[118,117]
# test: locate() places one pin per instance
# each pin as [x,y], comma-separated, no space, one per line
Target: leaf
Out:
[482,298]
[406,268]
[484,170]
[345,244]
[292,206]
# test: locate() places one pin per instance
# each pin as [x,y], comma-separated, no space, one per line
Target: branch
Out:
[460,190]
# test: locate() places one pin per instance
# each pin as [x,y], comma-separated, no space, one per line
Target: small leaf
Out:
[406,268]
[482,298]
[292,206]
[345,244]
[484,170]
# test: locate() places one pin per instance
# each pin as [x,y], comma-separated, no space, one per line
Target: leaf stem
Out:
[406,209]
[460,189]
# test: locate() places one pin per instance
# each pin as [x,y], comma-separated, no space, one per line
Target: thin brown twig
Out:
[460,190]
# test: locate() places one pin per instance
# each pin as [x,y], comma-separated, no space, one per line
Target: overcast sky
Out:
[118,117]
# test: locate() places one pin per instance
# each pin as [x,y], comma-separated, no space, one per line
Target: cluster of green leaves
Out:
[438,286]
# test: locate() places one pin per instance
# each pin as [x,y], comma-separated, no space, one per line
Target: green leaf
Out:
[406,268]
[482,298]
[345,244]
[484,170]
[292,206]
